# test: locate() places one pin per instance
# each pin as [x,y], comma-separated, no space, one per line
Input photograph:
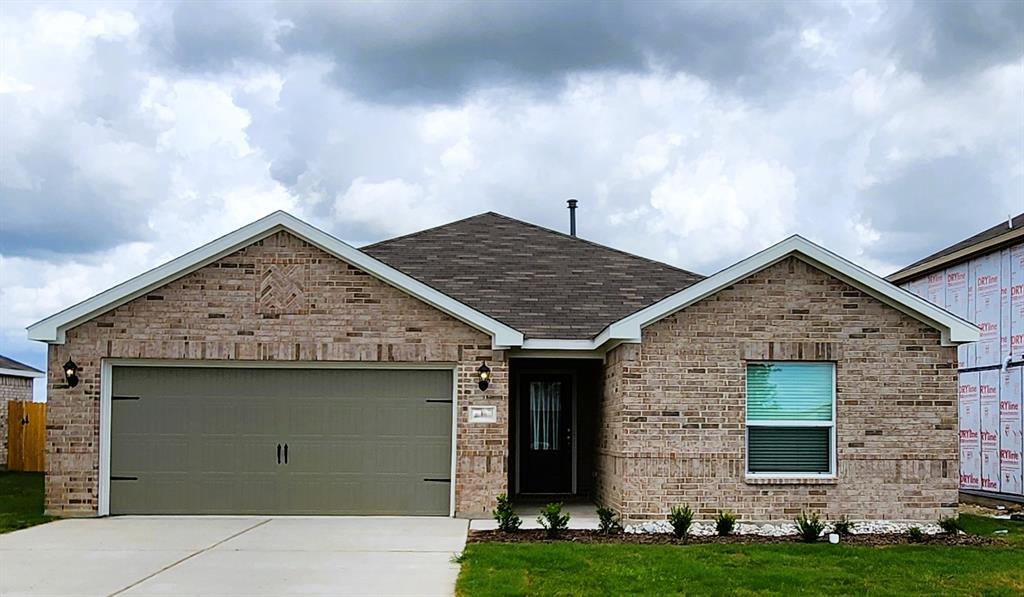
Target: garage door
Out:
[280,441]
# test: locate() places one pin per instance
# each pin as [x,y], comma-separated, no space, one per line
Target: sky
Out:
[692,133]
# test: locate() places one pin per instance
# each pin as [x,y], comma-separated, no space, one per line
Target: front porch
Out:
[582,515]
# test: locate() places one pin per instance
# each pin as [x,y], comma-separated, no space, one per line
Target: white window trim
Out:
[833,471]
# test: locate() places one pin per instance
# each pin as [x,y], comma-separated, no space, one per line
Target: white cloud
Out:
[161,158]
[392,206]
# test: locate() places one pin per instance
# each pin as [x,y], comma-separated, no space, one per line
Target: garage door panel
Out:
[141,452]
[203,440]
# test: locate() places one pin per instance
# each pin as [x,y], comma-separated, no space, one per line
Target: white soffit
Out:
[954,329]
[53,328]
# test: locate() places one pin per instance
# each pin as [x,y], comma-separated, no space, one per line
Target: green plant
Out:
[609,520]
[725,522]
[810,526]
[915,534]
[553,520]
[458,557]
[951,525]
[508,522]
[681,519]
[843,527]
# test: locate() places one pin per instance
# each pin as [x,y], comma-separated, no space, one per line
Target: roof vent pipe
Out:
[572,217]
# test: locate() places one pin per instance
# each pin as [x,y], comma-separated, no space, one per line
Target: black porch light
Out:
[485,375]
[71,373]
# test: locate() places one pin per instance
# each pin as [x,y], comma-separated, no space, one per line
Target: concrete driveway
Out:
[244,556]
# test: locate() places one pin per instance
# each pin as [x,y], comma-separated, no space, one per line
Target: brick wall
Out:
[279,299]
[11,388]
[674,405]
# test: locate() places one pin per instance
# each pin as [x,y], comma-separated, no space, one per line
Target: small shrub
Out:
[843,527]
[508,522]
[810,526]
[609,520]
[725,522]
[951,525]
[915,534]
[552,519]
[681,519]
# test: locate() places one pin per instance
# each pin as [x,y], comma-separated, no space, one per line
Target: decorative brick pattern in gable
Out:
[674,406]
[214,313]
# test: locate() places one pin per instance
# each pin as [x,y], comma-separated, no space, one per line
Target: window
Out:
[545,414]
[790,419]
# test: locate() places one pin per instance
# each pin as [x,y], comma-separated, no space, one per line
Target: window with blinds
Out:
[790,418]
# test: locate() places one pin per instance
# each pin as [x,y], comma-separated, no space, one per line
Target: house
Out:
[15,384]
[279,370]
[981,279]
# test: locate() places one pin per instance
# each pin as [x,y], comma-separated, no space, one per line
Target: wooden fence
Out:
[26,436]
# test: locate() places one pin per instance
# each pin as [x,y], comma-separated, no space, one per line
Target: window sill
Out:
[815,480]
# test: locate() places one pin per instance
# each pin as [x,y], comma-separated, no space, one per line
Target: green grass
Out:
[21,501]
[983,525]
[818,569]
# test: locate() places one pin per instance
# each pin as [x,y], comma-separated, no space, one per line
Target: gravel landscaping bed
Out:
[592,537]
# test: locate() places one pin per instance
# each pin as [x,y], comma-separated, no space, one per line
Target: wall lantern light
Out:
[71,373]
[485,375]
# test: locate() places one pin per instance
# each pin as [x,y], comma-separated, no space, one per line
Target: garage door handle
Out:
[286,453]
[279,453]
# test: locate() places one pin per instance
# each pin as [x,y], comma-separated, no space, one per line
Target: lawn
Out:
[819,569]
[21,501]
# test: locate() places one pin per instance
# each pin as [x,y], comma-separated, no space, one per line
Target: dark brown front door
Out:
[545,433]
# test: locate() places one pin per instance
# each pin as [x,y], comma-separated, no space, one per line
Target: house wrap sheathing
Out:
[982,280]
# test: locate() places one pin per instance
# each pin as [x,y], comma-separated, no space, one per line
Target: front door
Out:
[546,425]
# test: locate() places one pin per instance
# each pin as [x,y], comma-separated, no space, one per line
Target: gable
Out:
[276,291]
[954,330]
[279,284]
[791,299]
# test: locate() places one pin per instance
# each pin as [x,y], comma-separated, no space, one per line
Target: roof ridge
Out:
[597,244]
[536,227]
[425,230]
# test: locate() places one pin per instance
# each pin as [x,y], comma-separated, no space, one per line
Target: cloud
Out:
[440,52]
[696,133]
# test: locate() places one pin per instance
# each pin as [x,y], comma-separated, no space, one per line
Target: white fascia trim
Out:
[954,329]
[602,342]
[52,328]
[21,373]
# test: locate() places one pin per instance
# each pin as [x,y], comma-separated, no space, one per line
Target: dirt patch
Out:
[595,537]
[982,510]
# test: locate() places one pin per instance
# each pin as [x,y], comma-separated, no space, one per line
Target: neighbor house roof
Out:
[996,237]
[543,283]
[9,366]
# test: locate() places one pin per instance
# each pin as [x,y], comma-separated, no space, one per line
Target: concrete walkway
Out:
[133,556]
[582,516]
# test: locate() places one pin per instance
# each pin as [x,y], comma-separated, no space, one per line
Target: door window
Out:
[545,414]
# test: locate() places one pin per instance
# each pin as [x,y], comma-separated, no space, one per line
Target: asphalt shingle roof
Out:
[990,233]
[9,363]
[543,283]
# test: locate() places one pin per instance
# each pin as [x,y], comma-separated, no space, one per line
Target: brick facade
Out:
[11,388]
[279,299]
[673,406]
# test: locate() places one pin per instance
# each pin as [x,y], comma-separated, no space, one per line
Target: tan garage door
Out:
[280,441]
